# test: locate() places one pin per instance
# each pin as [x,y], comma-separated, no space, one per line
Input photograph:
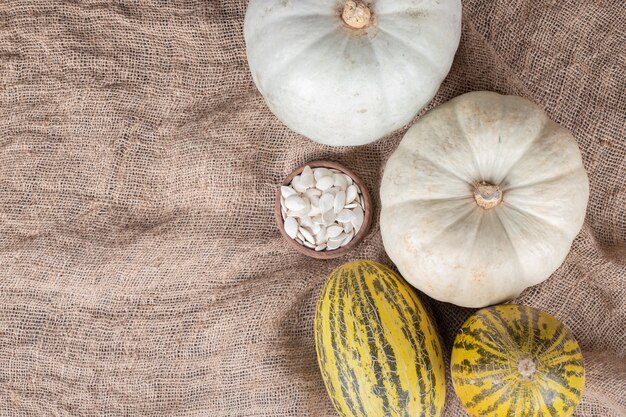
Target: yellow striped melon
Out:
[377,347]
[517,361]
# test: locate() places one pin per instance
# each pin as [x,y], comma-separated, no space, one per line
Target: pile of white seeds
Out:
[323,209]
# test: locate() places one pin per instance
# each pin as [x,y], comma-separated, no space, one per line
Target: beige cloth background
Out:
[141,272]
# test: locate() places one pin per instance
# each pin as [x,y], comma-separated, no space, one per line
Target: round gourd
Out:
[512,360]
[482,199]
[377,347]
[344,72]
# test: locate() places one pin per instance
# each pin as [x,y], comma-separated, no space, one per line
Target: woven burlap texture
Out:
[141,271]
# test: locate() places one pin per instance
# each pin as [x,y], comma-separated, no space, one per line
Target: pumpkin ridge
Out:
[529,215]
[278,74]
[288,19]
[554,178]
[461,218]
[414,200]
[442,168]
[459,124]
[386,32]
[510,240]
[379,75]
[547,123]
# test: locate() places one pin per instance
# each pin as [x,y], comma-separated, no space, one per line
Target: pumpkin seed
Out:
[345,216]
[286,191]
[313,192]
[320,237]
[340,181]
[291,227]
[296,184]
[297,214]
[314,211]
[326,202]
[306,178]
[328,218]
[307,235]
[339,238]
[306,221]
[340,201]
[347,240]
[351,193]
[334,231]
[324,183]
[318,173]
[295,203]
[333,245]
[358,218]
[322,208]
[334,190]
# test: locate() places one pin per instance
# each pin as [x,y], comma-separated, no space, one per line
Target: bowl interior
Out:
[367,218]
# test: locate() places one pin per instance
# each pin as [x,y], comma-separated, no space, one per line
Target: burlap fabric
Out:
[141,272]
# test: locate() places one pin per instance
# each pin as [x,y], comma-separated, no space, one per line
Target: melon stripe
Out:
[490,370]
[370,289]
[415,336]
[378,351]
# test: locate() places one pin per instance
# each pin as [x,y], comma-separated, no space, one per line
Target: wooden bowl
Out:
[367,215]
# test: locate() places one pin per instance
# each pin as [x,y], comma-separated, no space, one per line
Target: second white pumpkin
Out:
[482,199]
[346,73]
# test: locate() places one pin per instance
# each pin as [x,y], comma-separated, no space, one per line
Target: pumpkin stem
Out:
[356,14]
[487,195]
[526,367]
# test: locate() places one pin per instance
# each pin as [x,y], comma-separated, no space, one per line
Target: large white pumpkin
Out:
[482,199]
[345,73]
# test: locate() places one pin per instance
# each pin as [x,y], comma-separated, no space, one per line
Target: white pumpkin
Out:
[482,199]
[346,73]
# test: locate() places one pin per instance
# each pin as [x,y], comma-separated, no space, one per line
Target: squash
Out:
[482,199]
[513,360]
[345,72]
[377,348]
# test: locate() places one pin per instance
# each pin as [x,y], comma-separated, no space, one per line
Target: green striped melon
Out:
[377,347]
[517,361]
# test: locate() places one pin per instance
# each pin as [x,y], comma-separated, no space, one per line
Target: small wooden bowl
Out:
[367,215]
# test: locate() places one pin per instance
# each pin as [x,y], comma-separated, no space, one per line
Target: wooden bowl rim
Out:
[367,215]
